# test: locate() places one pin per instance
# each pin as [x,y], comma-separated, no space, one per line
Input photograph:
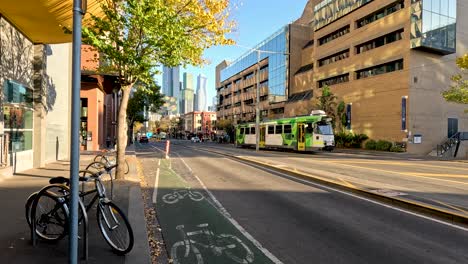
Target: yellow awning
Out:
[43,21]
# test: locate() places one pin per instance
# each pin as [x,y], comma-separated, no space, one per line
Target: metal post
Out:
[75,132]
[257,108]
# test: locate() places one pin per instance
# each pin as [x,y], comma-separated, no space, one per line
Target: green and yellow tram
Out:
[303,133]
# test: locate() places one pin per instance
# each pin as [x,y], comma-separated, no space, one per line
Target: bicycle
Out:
[47,212]
[174,197]
[228,244]
[109,157]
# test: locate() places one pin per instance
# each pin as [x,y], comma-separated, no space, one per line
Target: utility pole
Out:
[257,106]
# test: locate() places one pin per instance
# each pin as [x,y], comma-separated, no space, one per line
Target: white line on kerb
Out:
[228,216]
[155,192]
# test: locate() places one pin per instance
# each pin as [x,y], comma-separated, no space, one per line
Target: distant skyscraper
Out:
[215,101]
[201,93]
[171,80]
[187,94]
[195,103]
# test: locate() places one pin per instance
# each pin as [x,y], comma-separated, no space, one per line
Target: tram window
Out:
[247,131]
[287,129]
[252,130]
[279,129]
[271,130]
[242,131]
[310,128]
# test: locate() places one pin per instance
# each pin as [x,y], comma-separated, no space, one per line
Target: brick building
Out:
[387,60]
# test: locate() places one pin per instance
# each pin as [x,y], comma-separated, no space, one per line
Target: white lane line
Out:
[156,181]
[365,199]
[228,216]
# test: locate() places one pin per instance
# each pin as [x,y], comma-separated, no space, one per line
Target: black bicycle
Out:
[47,211]
[109,157]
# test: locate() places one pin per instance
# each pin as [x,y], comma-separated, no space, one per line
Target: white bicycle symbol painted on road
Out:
[174,197]
[228,244]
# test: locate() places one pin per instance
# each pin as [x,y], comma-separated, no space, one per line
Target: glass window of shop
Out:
[18,115]
[433,25]
[275,49]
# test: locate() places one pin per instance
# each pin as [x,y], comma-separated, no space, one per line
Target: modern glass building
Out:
[276,49]
[433,25]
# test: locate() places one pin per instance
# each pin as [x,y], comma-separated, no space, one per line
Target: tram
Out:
[302,133]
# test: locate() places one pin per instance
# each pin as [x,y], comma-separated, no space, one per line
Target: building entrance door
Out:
[262,136]
[300,137]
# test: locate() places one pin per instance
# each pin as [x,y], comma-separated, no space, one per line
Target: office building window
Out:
[305,68]
[18,115]
[433,25]
[249,76]
[380,69]
[380,41]
[334,35]
[334,58]
[328,11]
[334,80]
[390,9]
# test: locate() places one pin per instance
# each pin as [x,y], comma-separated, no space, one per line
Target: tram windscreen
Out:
[325,129]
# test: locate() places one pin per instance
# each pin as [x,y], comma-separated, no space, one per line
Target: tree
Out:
[144,98]
[341,115]
[227,126]
[458,92]
[327,102]
[133,37]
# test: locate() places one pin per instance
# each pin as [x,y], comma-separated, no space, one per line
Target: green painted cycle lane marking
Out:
[194,230]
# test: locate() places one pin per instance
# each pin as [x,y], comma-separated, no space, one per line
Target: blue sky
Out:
[256,20]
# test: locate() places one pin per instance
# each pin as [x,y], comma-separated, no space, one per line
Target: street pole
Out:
[78,13]
[257,108]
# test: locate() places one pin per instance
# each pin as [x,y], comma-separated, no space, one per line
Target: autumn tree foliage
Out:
[458,92]
[134,37]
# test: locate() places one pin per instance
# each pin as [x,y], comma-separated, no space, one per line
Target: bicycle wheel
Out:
[101,158]
[115,228]
[196,196]
[28,207]
[236,249]
[179,249]
[171,198]
[51,216]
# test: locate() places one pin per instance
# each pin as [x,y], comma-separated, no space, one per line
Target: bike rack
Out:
[82,208]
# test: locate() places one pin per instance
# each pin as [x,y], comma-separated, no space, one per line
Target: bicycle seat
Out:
[63,180]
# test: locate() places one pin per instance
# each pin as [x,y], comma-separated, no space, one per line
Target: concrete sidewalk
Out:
[15,242]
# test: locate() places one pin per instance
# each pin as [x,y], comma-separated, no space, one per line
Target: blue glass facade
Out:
[433,25]
[275,48]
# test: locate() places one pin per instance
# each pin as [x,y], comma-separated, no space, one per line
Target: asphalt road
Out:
[305,223]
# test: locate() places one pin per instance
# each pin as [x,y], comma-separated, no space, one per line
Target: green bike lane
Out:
[196,228]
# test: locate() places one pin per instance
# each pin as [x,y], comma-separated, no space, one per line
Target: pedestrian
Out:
[108,141]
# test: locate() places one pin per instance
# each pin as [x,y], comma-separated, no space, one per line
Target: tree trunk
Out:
[122,131]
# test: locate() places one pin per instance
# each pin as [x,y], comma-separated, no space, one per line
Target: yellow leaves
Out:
[462,62]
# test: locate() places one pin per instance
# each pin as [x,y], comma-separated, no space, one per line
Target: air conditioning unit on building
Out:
[318,113]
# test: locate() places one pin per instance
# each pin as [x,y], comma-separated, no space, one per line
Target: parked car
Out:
[195,140]
[143,139]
